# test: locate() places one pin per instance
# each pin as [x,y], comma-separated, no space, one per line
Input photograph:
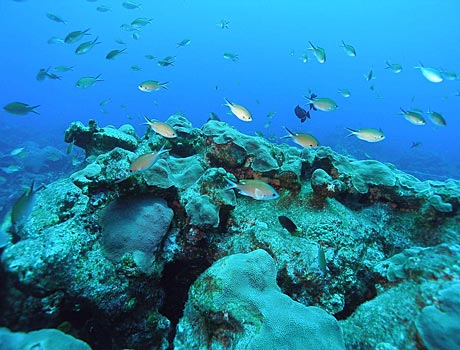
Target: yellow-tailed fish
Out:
[349,50]
[75,36]
[161,128]
[114,53]
[152,85]
[414,117]
[256,189]
[367,134]
[302,139]
[431,74]
[141,22]
[394,67]
[239,111]
[318,52]
[436,118]
[86,82]
[322,103]
[86,46]
[20,108]
[146,161]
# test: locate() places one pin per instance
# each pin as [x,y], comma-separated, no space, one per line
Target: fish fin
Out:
[352,132]
[163,150]
[343,44]
[147,120]
[231,184]
[258,194]
[312,46]
[308,115]
[163,85]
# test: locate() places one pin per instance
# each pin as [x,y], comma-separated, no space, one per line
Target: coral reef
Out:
[112,254]
[236,304]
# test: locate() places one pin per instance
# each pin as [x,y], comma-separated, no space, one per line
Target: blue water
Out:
[270,38]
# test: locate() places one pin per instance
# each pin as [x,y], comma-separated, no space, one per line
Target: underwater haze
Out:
[269,76]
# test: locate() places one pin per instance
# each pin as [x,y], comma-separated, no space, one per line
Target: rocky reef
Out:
[168,258]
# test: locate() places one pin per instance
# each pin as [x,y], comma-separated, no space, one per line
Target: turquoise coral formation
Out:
[80,255]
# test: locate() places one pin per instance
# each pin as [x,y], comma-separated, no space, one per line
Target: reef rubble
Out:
[111,257]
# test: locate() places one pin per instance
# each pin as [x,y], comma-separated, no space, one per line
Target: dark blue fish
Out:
[301,113]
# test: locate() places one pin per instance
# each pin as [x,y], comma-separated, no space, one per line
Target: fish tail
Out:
[343,44]
[388,65]
[311,44]
[231,184]
[352,132]
[289,131]
[98,76]
[32,109]
[147,120]
[228,103]
[163,150]
[163,85]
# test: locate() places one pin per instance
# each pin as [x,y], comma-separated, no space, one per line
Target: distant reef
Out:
[170,258]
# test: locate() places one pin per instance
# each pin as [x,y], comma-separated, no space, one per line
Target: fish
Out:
[103,8]
[256,189]
[63,69]
[301,113]
[414,117]
[322,259]
[167,61]
[223,24]
[55,40]
[304,57]
[136,68]
[322,103]
[349,50]
[436,118]
[146,161]
[70,147]
[119,41]
[231,56]
[302,139]
[149,57]
[114,53]
[288,225]
[449,75]
[318,52]
[20,108]
[141,22]
[131,5]
[105,102]
[55,18]
[86,82]
[22,208]
[239,111]
[53,76]
[369,76]
[184,42]
[431,74]
[75,36]
[86,46]
[213,116]
[367,134]
[161,128]
[416,144]
[344,92]
[10,169]
[17,151]
[394,67]
[151,85]
[42,74]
